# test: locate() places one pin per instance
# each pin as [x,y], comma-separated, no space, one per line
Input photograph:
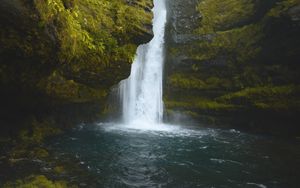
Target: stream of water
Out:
[141,93]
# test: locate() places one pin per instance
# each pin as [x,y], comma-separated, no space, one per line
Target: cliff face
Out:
[234,63]
[62,56]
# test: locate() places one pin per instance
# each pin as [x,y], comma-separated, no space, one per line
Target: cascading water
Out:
[141,93]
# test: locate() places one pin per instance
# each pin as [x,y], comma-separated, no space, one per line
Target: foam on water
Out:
[166,130]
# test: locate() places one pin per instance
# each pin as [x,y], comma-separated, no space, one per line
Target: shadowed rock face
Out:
[233,63]
[62,57]
[184,18]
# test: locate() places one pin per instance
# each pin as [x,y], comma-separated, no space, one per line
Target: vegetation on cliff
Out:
[63,56]
[37,182]
[80,40]
[243,59]
[58,61]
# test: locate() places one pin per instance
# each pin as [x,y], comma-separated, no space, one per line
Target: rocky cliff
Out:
[58,61]
[234,63]
[59,58]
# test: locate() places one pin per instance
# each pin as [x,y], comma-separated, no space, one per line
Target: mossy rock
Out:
[37,181]
[236,64]
[39,153]
[59,169]
[60,53]
[38,131]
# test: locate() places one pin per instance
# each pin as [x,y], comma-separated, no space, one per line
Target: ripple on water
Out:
[177,156]
[257,185]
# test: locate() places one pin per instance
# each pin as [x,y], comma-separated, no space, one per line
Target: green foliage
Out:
[93,28]
[29,141]
[184,81]
[57,86]
[129,19]
[236,45]
[241,41]
[243,66]
[68,49]
[198,104]
[38,181]
[59,169]
[74,40]
[39,153]
[38,132]
[223,13]
[281,8]
[266,97]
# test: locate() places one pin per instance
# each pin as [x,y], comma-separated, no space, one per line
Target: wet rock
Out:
[294,13]
[64,56]
[220,48]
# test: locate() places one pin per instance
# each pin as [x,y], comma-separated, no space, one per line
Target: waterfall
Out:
[141,92]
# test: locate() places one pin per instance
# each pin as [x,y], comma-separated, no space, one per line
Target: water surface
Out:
[171,156]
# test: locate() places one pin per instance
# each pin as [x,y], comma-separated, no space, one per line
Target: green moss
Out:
[92,28]
[219,13]
[190,113]
[29,139]
[38,181]
[59,169]
[184,81]
[264,92]
[266,97]
[38,132]
[281,8]
[69,49]
[74,40]
[235,45]
[213,105]
[242,42]
[198,104]
[59,87]
[173,51]
[26,150]
[188,82]
[39,153]
[244,62]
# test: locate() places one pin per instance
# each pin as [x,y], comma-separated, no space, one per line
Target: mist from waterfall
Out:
[141,93]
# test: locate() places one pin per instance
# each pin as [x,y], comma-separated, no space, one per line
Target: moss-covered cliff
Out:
[58,62]
[235,62]
[61,57]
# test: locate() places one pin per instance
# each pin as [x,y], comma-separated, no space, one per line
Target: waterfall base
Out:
[142,126]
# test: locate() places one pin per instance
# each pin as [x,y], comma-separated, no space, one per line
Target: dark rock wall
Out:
[234,63]
[59,58]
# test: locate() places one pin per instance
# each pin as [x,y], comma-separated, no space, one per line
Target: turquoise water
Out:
[113,156]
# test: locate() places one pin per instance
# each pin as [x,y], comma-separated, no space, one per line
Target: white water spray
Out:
[141,93]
